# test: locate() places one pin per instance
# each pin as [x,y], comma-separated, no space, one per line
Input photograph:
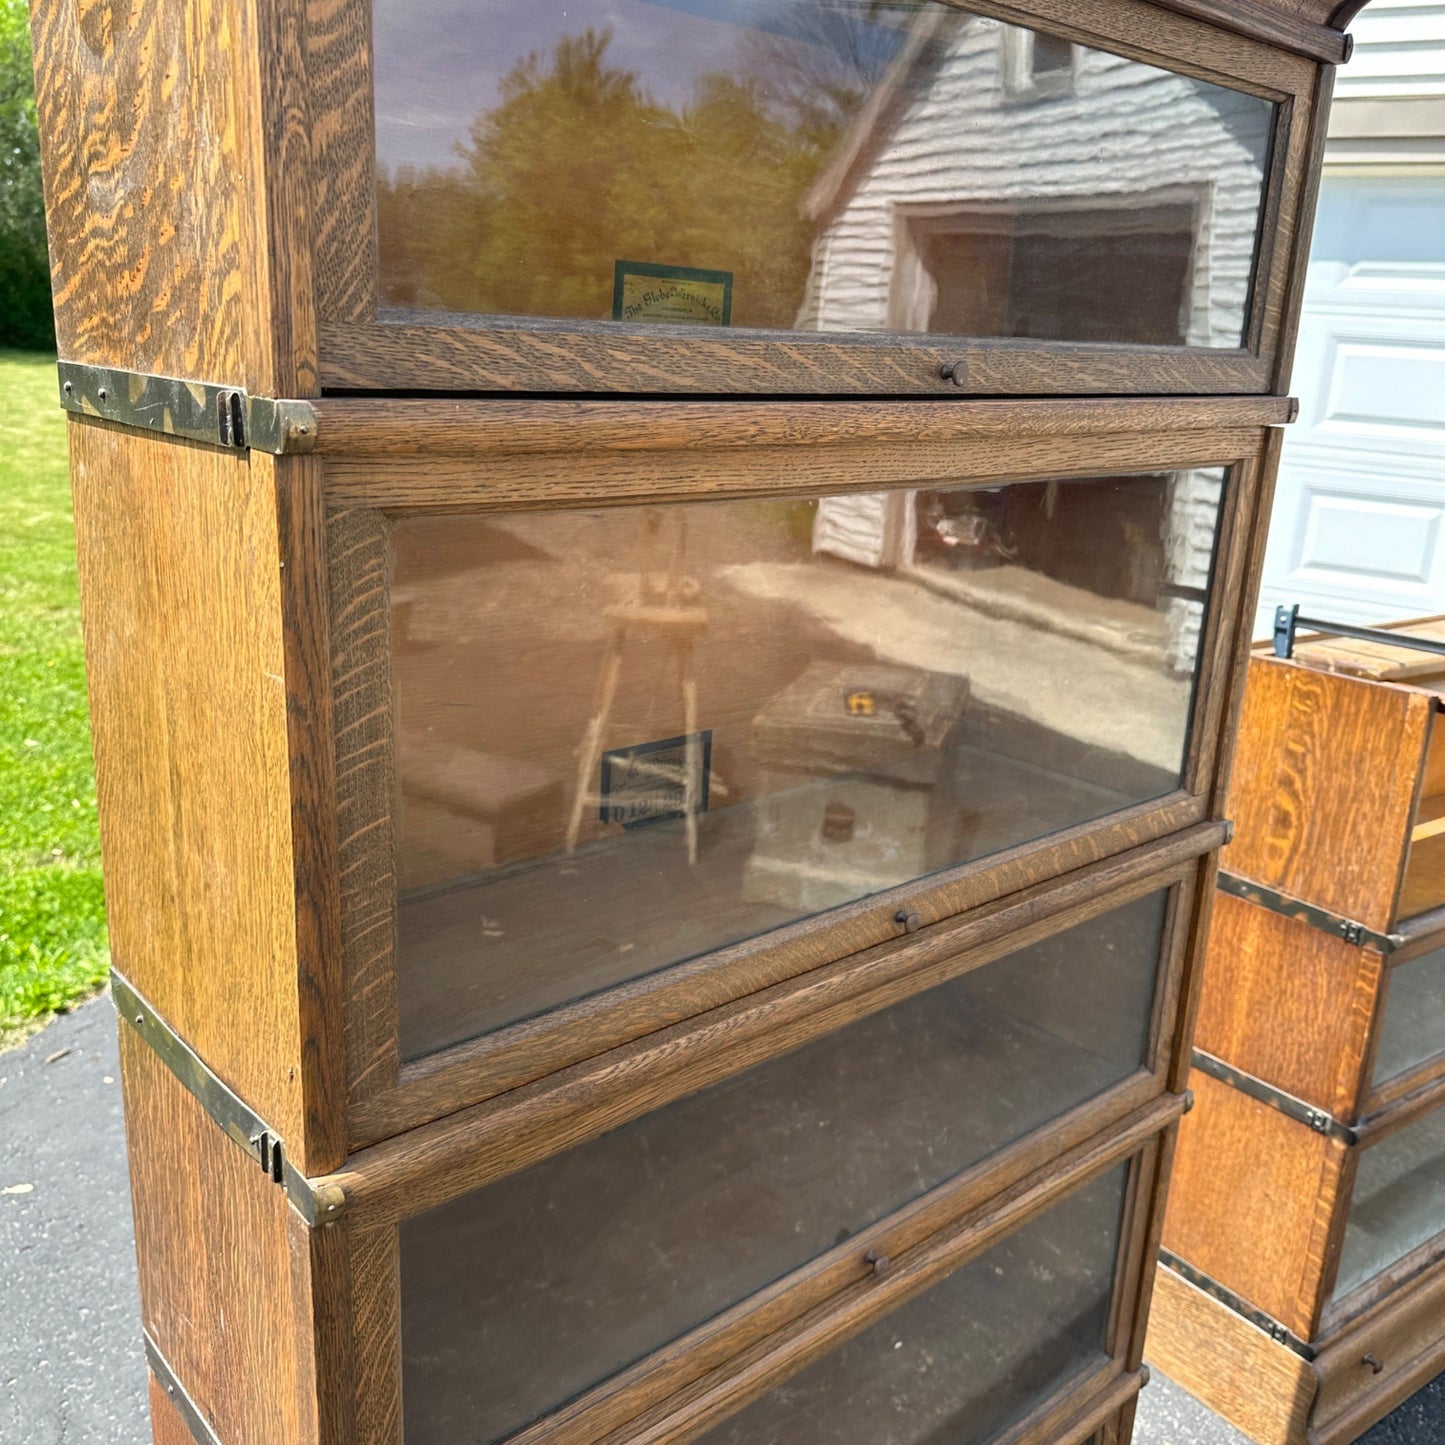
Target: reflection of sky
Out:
[439,62]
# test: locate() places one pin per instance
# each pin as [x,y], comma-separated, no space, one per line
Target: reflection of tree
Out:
[577,167]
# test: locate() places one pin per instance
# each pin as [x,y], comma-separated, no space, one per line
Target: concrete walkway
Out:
[71,1367]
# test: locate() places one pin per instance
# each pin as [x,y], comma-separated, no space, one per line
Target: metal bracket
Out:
[221,416]
[1287,621]
[1320,1120]
[1227,1297]
[1321,918]
[186,1407]
[316,1205]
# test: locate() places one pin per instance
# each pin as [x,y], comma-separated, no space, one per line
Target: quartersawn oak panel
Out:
[1260,1387]
[180,581]
[1299,828]
[175,183]
[213,1233]
[1288,1003]
[1252,1202]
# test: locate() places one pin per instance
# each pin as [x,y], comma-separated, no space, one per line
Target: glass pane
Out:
[627,737]
[1398,1203]
[815,165]
[970,1357]
[1414,1025]
[519,1296]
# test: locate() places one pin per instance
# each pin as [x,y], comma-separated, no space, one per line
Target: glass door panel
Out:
[971,1356]
[807,165]
[519,1296]
[1398,1203]
[1414,1025]
[630,736]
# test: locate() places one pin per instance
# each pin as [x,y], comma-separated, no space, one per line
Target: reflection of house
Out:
[1005,183]
[1358,529]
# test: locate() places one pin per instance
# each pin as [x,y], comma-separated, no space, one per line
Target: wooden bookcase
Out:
[1305,1234]
[656,870]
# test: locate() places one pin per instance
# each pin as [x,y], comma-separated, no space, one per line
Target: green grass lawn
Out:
[52,913]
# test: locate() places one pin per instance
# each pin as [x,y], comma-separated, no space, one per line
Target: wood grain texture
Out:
[1253,1203]
[1276,24]
[359,562]
[1404,1336]
[305,631]
[376,1324]
[181,603]
[168,1425]
[174,147]
[1290,1004]
[154,219]
[554,479]
[463,353]
[1262,1388]
[1298,829]
[447,426]
[210,1227]
[339,66]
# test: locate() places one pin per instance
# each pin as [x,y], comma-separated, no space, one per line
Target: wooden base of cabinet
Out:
[1361,1372]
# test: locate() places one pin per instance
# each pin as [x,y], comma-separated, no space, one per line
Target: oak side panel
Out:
[168,1425]
[1262,1388]
[143,114]
[1288,1003]
[214,1243]
[1252,1202]
[376,1325]
[1324,787]
[181,603]
[358,557]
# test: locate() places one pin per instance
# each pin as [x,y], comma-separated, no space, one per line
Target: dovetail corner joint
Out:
[316,1203]
[227,417]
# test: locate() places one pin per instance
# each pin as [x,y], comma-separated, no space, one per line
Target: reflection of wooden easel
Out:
[667,606]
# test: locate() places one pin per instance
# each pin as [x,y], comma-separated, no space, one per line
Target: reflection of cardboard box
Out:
[860,788]
[465,811]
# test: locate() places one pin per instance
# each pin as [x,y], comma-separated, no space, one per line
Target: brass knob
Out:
[954,371]
[880,1262]
[911,921]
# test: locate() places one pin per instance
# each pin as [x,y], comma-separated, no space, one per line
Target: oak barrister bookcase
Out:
[1303,1287]
[665,586]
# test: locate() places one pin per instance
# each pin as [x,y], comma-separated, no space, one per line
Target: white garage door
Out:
[1358,531]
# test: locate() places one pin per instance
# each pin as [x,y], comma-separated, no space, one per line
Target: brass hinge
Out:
[316,1203]
[228,417]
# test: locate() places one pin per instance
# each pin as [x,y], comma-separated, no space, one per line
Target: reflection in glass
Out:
[974,1354]
[1414,1024]
[630,736]
[544,1283]
[849,166]
[1398,1203]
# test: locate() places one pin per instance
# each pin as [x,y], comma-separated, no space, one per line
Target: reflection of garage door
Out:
[1358,532]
